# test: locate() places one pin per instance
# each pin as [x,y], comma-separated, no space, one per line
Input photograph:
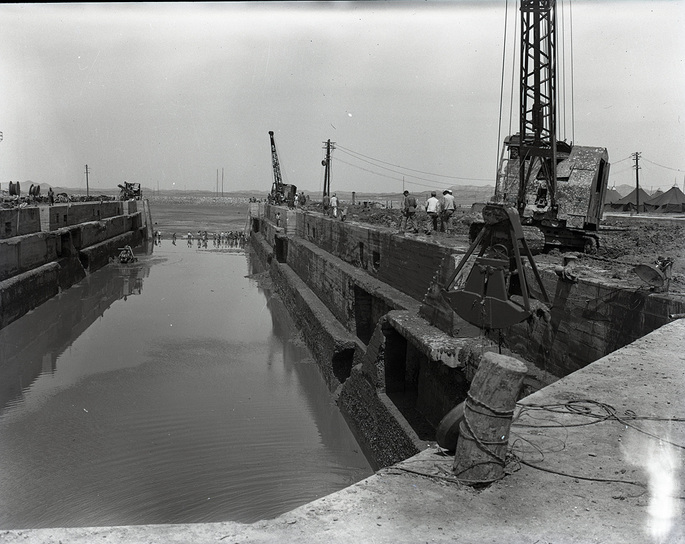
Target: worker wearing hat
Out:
[409,206]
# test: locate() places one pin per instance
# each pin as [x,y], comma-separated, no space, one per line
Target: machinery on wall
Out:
[555,186]
[280,192]
[130,191]
[541,182]
[484,298]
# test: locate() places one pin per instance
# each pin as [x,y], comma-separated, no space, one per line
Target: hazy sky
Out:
[166,94]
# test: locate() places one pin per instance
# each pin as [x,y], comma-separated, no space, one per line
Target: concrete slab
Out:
[595,457]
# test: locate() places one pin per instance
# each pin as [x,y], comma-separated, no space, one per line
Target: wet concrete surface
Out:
[172,390]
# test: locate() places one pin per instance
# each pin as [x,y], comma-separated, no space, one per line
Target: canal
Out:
[172,390]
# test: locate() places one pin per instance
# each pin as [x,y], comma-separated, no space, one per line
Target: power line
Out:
[338,159]
[662,166]
[354,153]
[391,170]
[626,169]
[624,159]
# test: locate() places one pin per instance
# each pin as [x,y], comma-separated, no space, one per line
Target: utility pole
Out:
[87,189]
[222,181]
[216,191]
[636,156]
[327,172]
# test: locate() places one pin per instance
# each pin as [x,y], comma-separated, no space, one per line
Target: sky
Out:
[411,93]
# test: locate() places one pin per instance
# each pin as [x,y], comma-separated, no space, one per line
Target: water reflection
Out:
[189,400]
[296,360]
[31,345]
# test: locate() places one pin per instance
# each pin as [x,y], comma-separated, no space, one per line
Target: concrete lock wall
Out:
[19,221]
[26,291]
[75,213]
[380,428]
[587,320]
[34,267]
[356,300]
[23,253]
[326,338]
[409,368]
[95,232]
[392,372]
[407,264]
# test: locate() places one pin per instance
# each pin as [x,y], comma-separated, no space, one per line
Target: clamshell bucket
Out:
[485,299]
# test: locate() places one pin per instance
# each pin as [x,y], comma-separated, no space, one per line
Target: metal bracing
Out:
[538,95]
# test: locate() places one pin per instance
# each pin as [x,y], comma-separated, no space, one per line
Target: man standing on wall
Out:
[448,208]
[334,205]
[433,211]
[409,213]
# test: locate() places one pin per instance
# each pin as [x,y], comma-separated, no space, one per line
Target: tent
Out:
[672,201]
[612,195]
[629,202]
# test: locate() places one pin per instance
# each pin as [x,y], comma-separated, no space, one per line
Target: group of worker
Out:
[219,239]
[439,212]
[292,200]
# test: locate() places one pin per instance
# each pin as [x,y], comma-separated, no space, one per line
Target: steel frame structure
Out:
[538,97]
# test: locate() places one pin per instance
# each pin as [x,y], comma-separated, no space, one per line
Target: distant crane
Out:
[280,192]
[278,179]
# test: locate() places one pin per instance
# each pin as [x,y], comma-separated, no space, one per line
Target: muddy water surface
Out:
[169,391]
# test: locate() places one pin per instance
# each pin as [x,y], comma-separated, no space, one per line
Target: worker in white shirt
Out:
[433,211]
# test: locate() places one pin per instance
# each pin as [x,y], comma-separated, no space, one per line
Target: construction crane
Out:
[554,185]
[541,182]
[280,192]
